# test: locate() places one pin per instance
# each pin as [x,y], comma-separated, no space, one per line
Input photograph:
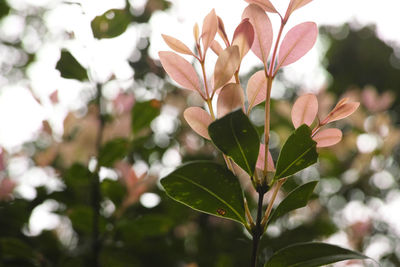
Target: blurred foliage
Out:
[170,234]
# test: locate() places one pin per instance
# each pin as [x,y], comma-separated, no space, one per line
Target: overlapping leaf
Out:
[199,120]
[266,5]
[328,137]
[226,66]
[231,97]
[311,255]
[236,137]
[243,37]
[296,199]
[297,153]
[256,89]
[294,5]
[207,187]
[262,31]
[304,110]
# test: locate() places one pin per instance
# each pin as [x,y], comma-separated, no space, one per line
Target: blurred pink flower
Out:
[123,102]
[6,188]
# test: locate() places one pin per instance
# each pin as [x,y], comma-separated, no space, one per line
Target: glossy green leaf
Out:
[297,153]
[70,68]
[236,137]
[143,113]
[207,187]
[311,255]
[296,199]
[112,151]
[112,23]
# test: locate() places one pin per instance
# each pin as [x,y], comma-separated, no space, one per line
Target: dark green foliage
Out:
[112,23]
[207,187]
[143,113]
[311,255]
[296,199]
[112,151]
[236,137]
[70,68]
[4,9]
[298,152]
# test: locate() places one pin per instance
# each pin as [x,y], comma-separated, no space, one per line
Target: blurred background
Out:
[81,86]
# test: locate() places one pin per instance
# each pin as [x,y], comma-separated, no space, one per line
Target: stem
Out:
[270,77]
[207,96]
[271,203]
[96,194]
[258,229]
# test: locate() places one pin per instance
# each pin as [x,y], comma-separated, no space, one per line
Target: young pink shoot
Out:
[262,32]
[256,89]
[199,120]
[342,110]
[216,48]
[328,137]
[261,159]
[297,42]
[222,32]
[177,45]
[210,27]
[266,5]
[181,71]
[226,66]
[230,98]
[304,110]
[294,5]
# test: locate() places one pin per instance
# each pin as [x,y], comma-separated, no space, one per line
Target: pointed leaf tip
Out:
[266,5]
[304,110]
[243,37]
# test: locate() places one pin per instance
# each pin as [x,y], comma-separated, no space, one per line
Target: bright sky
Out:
[177,22]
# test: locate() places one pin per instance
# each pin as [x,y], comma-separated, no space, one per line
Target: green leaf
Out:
[311,255]
[4,9]
[143,113]
[297,153]
[14,249]
[207,187]
[236,137]
[296,199]
[110,24]
[112,151]
[70,68]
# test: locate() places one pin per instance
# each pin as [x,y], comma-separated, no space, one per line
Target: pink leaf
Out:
[297,42]
[261,158]
[176,45]
[6,188]
[328,137]
[227,64]
[180,70]
[262,31]
[216,47]
[210,26]
[256,89]
[243,37]
[230,98]
[293,5]
[222,32]
[304,110]
[266,5]
[198,119]
[341,111]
